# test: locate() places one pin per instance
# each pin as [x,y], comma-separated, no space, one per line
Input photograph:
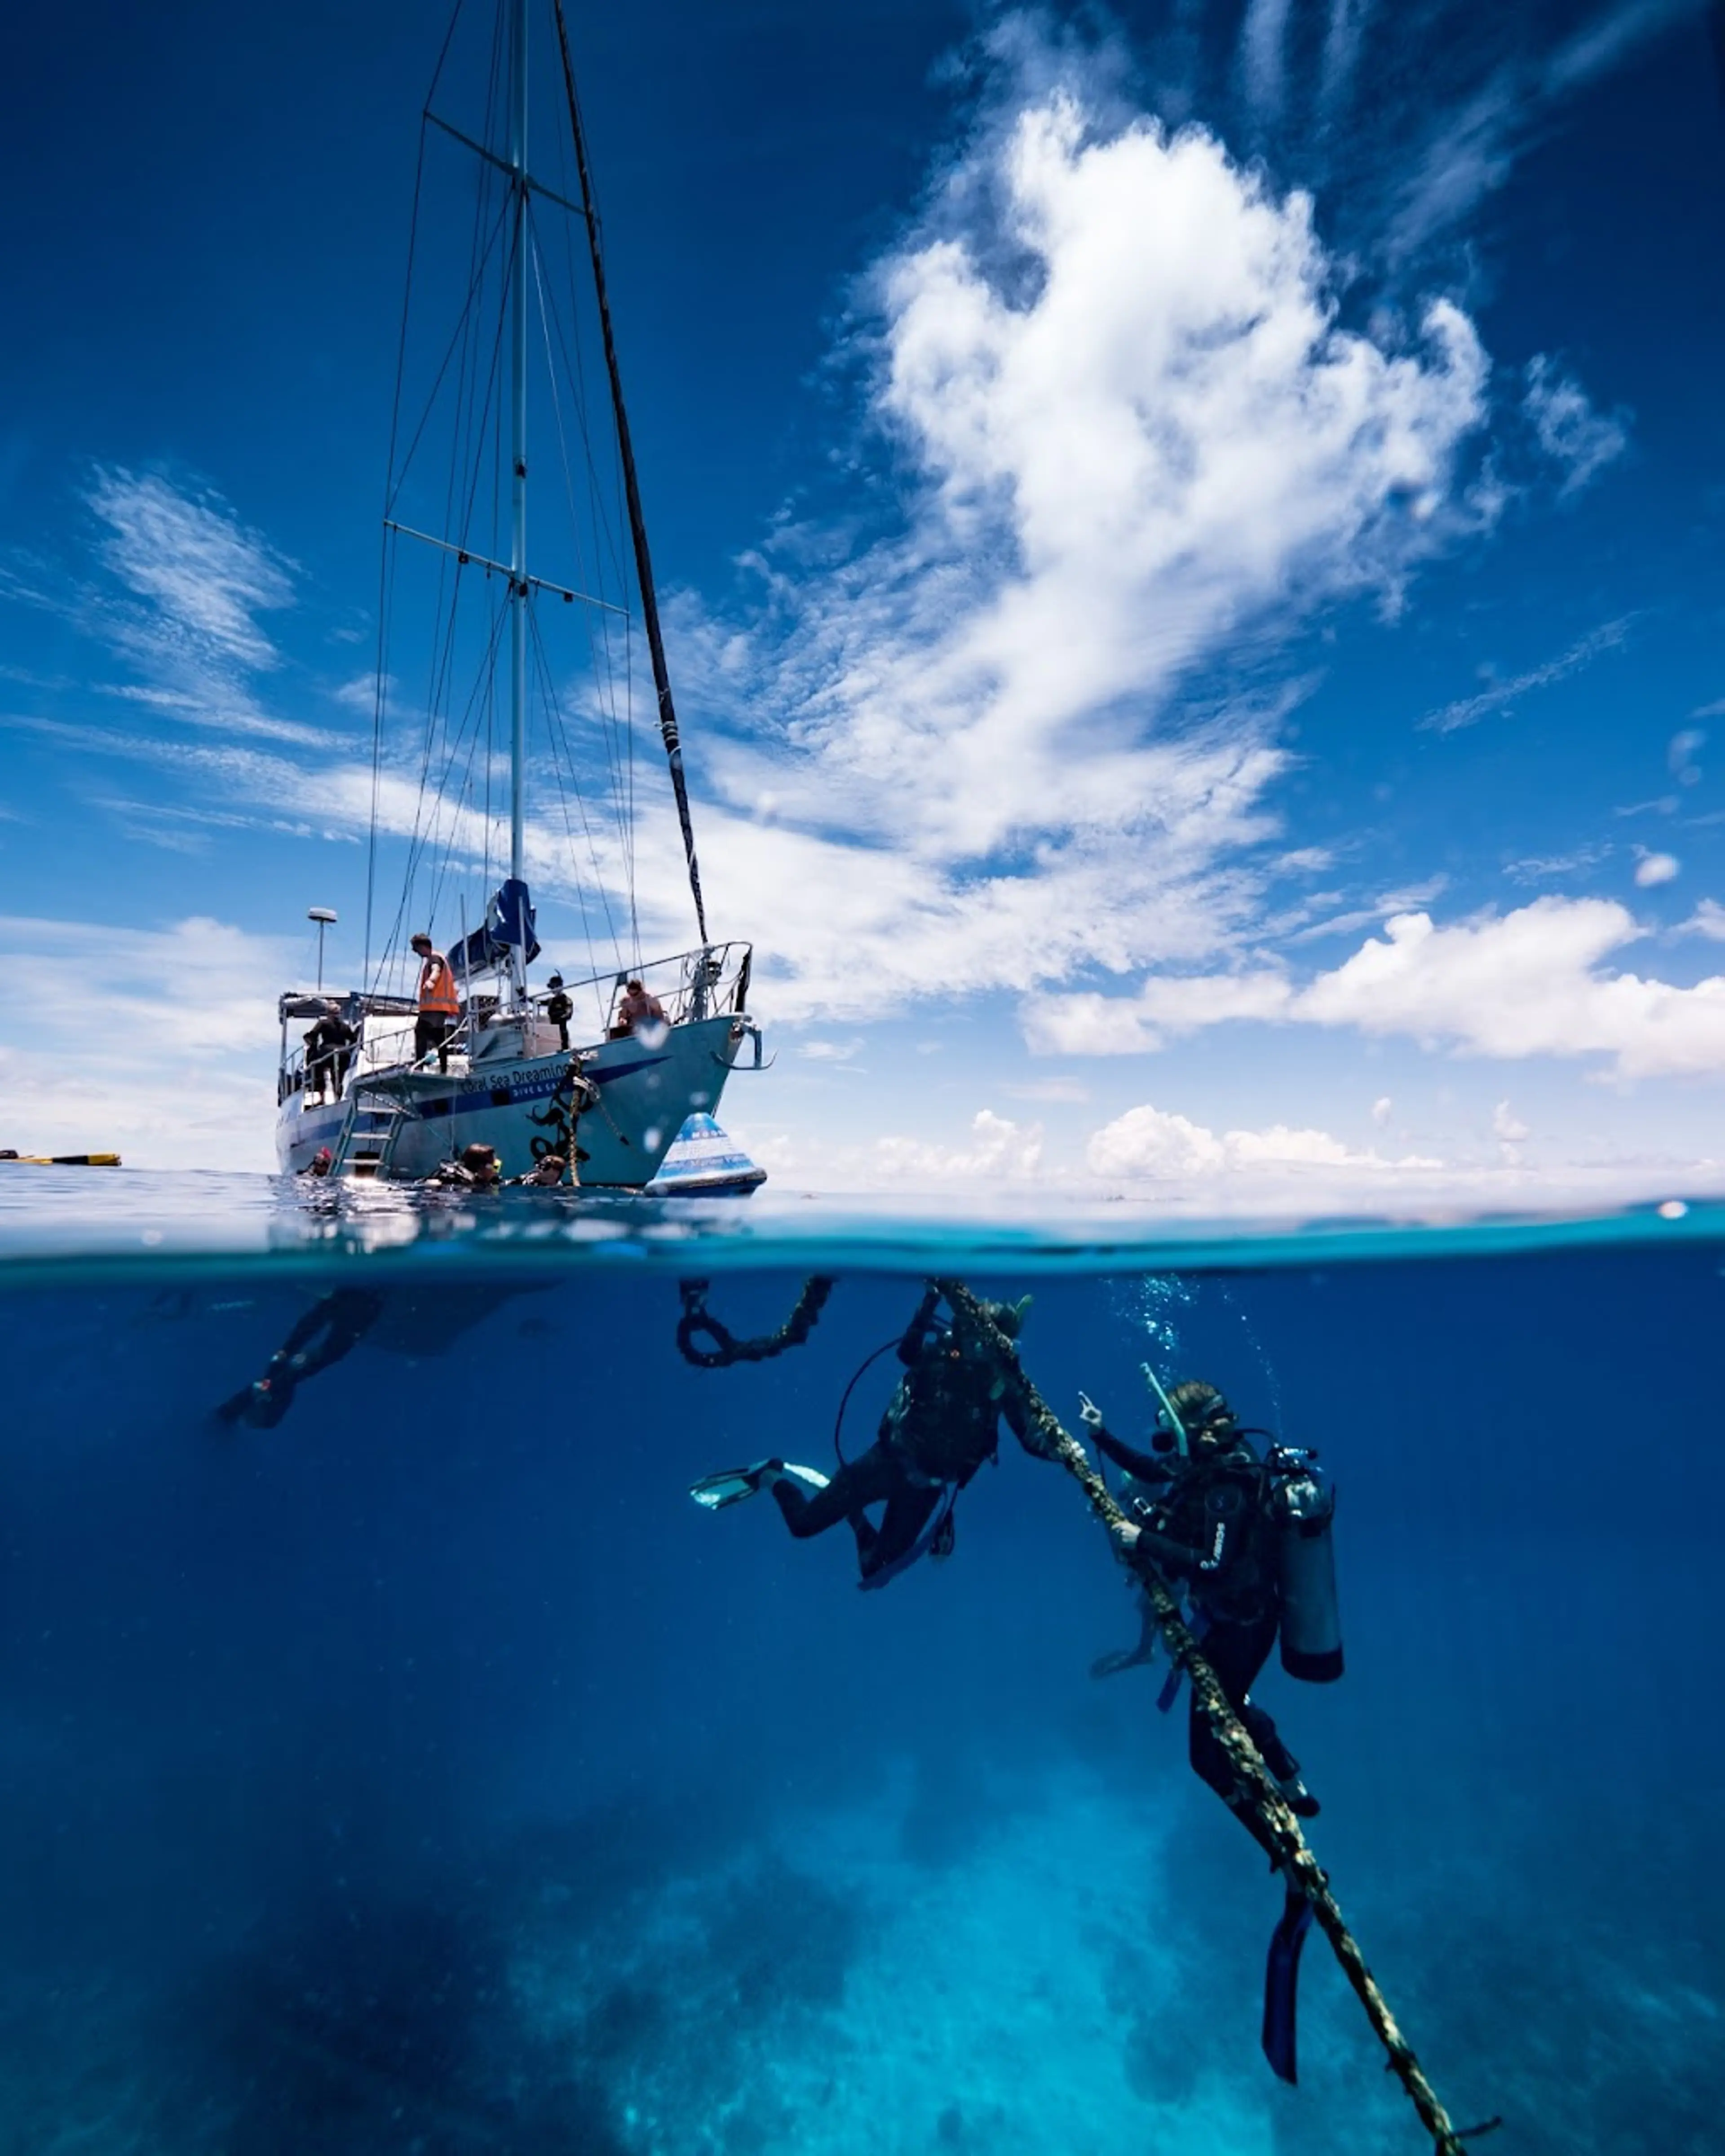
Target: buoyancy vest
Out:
[437,987]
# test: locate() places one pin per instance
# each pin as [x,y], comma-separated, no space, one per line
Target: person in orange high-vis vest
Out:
[439,1006]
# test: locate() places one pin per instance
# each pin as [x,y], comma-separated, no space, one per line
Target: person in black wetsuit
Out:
[1204,1520]
[939,1425]
[331,1329]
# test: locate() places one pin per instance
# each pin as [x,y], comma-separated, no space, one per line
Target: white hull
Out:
[647,1090]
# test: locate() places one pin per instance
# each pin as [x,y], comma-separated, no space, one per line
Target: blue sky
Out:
[1191,540]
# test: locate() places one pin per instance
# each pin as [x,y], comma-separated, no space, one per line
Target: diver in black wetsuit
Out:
[331,1329]
[1206,1520]
[939,1425]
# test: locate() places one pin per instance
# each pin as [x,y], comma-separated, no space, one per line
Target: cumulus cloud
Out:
[1131,426]
[1570,432]
[1535,982]
[1156,1144]
[1652,869]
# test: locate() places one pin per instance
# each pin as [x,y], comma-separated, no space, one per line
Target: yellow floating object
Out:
[62,1159]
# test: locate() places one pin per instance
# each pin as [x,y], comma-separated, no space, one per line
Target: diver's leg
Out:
[907,1514]
[868,1479]
[1236,1653]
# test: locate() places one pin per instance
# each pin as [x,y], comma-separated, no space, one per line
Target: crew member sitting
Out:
[636,1008]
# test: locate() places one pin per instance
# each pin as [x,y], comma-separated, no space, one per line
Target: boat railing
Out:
[711,981]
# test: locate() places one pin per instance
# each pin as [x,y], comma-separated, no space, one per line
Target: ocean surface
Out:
[424,1772]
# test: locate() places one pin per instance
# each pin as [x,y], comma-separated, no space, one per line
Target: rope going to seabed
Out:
[727,1348]
[1255,1785]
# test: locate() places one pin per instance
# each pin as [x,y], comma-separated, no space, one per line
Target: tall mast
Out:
[637,523]
[518,369]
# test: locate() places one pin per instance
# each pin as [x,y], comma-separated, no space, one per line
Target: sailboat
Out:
[606,1070]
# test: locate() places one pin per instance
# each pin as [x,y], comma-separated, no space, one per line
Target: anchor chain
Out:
[727,1348]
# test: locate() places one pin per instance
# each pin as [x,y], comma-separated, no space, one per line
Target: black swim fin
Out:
[1282,1982]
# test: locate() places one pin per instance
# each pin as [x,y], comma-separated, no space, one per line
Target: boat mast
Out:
[518,587]
[637,523]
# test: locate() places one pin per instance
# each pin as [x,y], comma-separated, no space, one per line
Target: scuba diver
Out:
[1247,1542]
[331,1329]
[939,1425]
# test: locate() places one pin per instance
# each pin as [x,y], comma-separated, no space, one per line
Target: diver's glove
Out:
[1089,1414]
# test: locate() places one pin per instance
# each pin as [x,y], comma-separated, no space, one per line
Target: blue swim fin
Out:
[729,1487]
[1281,1980]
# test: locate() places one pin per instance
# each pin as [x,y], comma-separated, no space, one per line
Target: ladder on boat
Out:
[370,1152]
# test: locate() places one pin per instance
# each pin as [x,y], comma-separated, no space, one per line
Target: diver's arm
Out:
[915,1338]
[1164,1550]
[1142,1466]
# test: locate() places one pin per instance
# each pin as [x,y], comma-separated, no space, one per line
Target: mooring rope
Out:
[1049,1440]
[726,1347]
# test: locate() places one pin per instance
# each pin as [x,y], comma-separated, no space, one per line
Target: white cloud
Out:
[1382,1108]
[154,1042]
[1652,869]
[1157,1145]
[1571,432]
[1685,745]
[1468,711]
[206,577]
[1471,149]
[999,1147]
[1535,982]
[1134,428]
[1532,983]
[1507,1126]
[1091,1024]
[1708,920]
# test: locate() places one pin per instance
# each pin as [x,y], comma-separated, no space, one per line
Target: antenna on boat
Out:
[325,917]
[632,492]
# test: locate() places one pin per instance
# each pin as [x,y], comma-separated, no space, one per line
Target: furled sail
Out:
[508,927]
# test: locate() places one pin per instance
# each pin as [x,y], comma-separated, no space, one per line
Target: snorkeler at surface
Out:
[331,1329]
[941,1425]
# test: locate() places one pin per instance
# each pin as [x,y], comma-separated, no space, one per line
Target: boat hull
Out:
[647,1090]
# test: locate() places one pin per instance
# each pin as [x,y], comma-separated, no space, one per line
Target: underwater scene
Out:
[394,1756]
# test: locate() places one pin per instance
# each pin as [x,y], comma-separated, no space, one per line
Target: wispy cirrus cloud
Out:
[1502,695]
[1570,432]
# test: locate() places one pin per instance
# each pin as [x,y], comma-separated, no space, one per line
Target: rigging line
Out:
[638,529]
[456,799]
[438,72]
[554,715]
[607,724]
[425,838]
[474,286]
[605,674]
[604,533]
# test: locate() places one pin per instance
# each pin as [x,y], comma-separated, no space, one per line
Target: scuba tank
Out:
[1303,1507]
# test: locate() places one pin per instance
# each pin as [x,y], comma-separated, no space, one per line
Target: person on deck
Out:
[1205,1521]
[329,1053]
[559,1010]
[439,1004]
[635,1007]
[939,1425]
